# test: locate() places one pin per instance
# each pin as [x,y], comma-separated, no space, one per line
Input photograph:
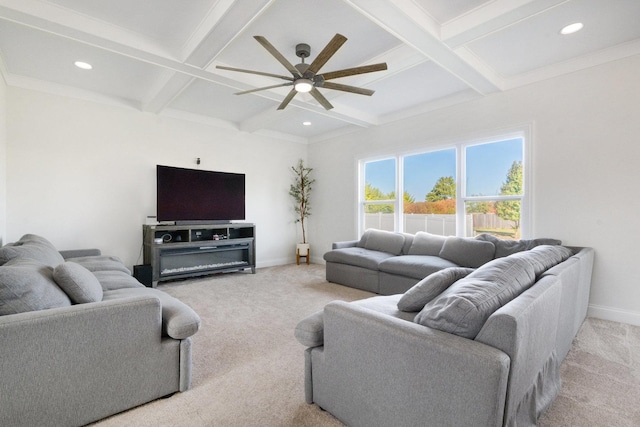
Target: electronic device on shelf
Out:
[188,196]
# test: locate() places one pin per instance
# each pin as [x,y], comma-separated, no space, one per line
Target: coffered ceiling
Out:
[160,56]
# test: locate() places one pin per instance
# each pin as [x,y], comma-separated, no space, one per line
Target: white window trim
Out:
[524,132]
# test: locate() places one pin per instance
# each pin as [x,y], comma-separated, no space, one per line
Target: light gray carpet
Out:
[248,367]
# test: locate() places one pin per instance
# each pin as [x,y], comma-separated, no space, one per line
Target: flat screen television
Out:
[197,196]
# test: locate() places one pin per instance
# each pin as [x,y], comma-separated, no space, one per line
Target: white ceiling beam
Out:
[207,42]
[492,16]
[404,27]
[600,57]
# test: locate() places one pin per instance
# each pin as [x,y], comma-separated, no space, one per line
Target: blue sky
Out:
[487,167]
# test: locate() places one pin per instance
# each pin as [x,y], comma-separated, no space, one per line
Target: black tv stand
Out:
[182,251]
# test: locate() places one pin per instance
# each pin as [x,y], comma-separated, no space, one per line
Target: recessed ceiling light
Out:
[306,123]
[572,28]
[83,65]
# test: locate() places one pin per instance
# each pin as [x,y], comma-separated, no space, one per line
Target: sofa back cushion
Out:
[509,247]
[544,257]
[33,247]
[426,244]
[463,308]
[382,241]
[28,285]
[467,252]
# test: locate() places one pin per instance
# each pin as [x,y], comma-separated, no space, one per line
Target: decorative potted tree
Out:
[300,190]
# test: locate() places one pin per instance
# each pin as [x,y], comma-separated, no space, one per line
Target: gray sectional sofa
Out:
[464,346]
[82,339]
[390,263]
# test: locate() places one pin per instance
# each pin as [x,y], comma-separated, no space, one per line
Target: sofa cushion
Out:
[382,241]
[357,256]
[426,244]
[110,280]
[544,257]
[414,266]
[101,263]
[467,252]
[78,283]
[33,247]
[179,321]
[463,308]
[28,285]
[508,247]
[430,287]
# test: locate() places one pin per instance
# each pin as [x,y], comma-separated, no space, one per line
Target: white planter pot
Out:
[302,249]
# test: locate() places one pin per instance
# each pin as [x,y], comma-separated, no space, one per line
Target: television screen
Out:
[185,195]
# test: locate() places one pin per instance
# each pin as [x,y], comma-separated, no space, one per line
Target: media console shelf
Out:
[179,251]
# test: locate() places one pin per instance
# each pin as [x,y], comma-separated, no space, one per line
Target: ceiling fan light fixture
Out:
[303,85]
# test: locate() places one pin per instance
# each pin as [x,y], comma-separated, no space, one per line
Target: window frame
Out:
[460,146]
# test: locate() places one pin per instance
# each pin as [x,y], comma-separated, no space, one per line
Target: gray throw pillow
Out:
[464,307]
[28,285]
[78,283]
[430,287]
[467,252]
[426,244]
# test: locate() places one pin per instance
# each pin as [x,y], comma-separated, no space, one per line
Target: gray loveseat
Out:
[390,263]
[465,347]
[82,339]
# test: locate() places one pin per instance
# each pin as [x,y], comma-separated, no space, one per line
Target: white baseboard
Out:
[614,314]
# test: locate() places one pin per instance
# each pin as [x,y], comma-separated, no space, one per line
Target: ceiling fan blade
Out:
[260,73]
[287,99]
[347,88]
[281,59]
[321,99]
[326,54]
[353,71]
[262,88]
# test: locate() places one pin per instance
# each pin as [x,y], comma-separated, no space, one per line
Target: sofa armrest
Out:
[387,357]
[77,253]
[345,244]
[50,358]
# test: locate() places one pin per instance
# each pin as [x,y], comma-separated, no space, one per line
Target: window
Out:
[429,202]
[494,187]
[463,190]
[380,194]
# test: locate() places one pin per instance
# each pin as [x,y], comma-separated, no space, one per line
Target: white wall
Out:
[3,161]
[586,169]
[83,174]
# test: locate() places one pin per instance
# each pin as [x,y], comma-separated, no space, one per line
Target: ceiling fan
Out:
[305,77]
